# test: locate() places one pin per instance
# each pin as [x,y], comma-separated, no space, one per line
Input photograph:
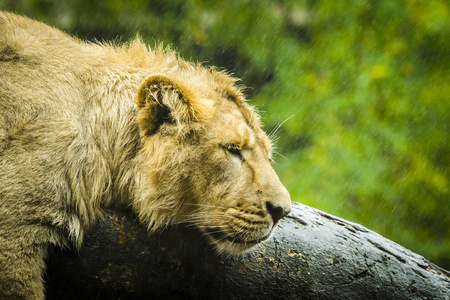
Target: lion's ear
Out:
[163,100]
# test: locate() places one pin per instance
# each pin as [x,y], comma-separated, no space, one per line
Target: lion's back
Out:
[57,122]
[41,67]
[38,94]
[40,86]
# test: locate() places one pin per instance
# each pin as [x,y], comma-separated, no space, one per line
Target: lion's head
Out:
[206,160]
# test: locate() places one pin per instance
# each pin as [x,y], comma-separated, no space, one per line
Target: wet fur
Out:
[87,126]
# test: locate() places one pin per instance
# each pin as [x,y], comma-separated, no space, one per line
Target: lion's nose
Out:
[277,211]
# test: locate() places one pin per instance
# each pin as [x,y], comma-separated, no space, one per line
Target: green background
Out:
[358,91]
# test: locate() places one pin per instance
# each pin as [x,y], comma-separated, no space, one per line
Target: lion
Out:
[85,127]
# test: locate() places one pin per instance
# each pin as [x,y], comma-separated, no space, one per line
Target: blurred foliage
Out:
[360,90]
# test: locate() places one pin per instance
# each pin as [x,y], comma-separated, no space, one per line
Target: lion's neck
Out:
[108,141]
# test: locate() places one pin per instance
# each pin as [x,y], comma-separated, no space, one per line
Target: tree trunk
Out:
[312,255]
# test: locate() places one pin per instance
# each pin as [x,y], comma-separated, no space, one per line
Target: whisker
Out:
[205,205]
[279,154]
[200,217]
[274,132]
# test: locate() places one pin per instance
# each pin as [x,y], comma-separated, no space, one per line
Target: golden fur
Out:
[86,126]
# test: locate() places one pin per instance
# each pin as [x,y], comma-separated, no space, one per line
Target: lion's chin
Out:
[233,245]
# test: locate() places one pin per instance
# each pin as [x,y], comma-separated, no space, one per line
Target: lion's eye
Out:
[233,149]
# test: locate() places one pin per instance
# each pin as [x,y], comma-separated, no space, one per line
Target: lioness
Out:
[86,126]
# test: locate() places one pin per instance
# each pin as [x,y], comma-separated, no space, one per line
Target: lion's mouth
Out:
[219,235]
